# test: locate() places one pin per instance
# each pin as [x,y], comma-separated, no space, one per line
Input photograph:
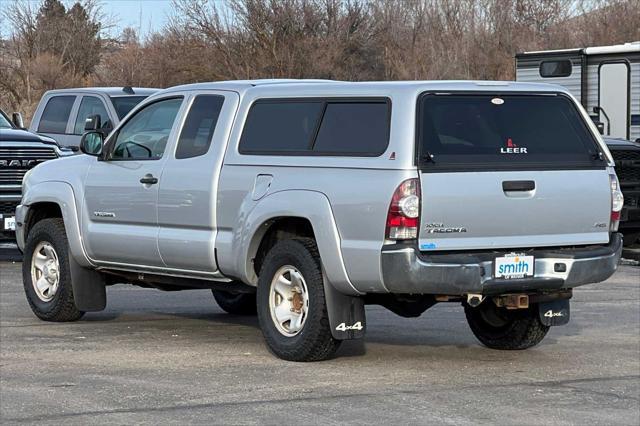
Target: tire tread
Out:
[63,308]
[525,331]
[318,343]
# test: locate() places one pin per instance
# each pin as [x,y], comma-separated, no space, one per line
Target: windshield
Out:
[124,104]
[503,131]
[4,122]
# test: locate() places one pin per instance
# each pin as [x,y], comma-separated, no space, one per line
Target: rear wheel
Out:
[292,309]
[236,303]
[499,328]
[45,272]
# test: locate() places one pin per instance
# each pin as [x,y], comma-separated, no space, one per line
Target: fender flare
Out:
[60,193]
[311,205]
[88,285]
[344,307]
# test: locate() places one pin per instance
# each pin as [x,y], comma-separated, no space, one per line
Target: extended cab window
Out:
[280,127]
[317,127]
[199,126]
[56,114]
[90,105]
[145,135]
[503,131]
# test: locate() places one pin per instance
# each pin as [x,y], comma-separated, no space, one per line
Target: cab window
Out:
[56,114]
[89,106]
[145,135]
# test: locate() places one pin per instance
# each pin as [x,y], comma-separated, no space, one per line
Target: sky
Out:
[143,15]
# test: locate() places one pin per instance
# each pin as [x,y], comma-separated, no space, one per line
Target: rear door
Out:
[187,198]
[509,171]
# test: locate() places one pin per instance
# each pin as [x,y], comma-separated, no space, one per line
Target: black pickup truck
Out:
[627,157]
[20,150]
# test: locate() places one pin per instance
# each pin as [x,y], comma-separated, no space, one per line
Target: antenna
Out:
[128,89]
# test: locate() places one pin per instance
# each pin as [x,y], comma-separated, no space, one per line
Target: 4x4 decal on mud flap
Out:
[556,312]
[344,327]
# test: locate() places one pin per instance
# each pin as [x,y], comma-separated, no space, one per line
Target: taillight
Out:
[403,218]
[617,201]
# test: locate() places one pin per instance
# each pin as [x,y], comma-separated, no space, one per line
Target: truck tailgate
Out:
[476,211]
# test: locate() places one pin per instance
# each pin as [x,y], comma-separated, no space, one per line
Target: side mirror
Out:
[91,143]
[16,117]
[92,122]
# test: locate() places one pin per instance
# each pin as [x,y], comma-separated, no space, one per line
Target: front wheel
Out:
[499,328]
[46,274]
[292,309]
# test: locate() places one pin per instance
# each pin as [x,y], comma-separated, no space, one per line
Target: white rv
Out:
[605,79]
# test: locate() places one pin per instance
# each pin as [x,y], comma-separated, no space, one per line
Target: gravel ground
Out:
[175,358]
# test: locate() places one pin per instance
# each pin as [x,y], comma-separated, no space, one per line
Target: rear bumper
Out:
[406,270]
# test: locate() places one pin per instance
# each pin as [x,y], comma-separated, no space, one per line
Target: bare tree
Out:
[49,47]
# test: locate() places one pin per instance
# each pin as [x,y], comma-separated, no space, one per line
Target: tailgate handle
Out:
[518,185]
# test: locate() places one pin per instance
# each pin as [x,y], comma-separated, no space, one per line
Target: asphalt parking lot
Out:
[176,358]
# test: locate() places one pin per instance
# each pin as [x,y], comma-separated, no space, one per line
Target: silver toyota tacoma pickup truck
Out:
[303,201]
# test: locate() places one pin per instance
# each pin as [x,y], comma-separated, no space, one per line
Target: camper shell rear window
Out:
[471,131]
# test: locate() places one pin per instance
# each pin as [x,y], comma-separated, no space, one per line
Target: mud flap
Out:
[556,312]
[88,285]
[346,314]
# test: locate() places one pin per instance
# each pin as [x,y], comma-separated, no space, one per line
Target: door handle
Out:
[518,185]
[148,179]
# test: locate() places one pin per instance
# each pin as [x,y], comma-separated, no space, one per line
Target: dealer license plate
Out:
[10,223]
[514,266]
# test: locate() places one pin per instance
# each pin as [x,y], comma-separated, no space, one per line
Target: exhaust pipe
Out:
[474,300]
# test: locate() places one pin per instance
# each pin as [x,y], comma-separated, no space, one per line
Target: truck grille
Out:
[8,207]
[16,161]
[627,165]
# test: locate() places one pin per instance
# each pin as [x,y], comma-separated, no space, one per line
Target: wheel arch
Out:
[274,230]
[39,211]
[51,199]
[57,199]
[286,214]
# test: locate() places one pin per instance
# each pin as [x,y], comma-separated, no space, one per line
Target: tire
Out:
[236,304]
[499,328]
[630,239]
[52,301]
[307,336]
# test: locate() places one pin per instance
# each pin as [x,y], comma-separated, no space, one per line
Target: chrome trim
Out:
[10,197]
[10,187]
